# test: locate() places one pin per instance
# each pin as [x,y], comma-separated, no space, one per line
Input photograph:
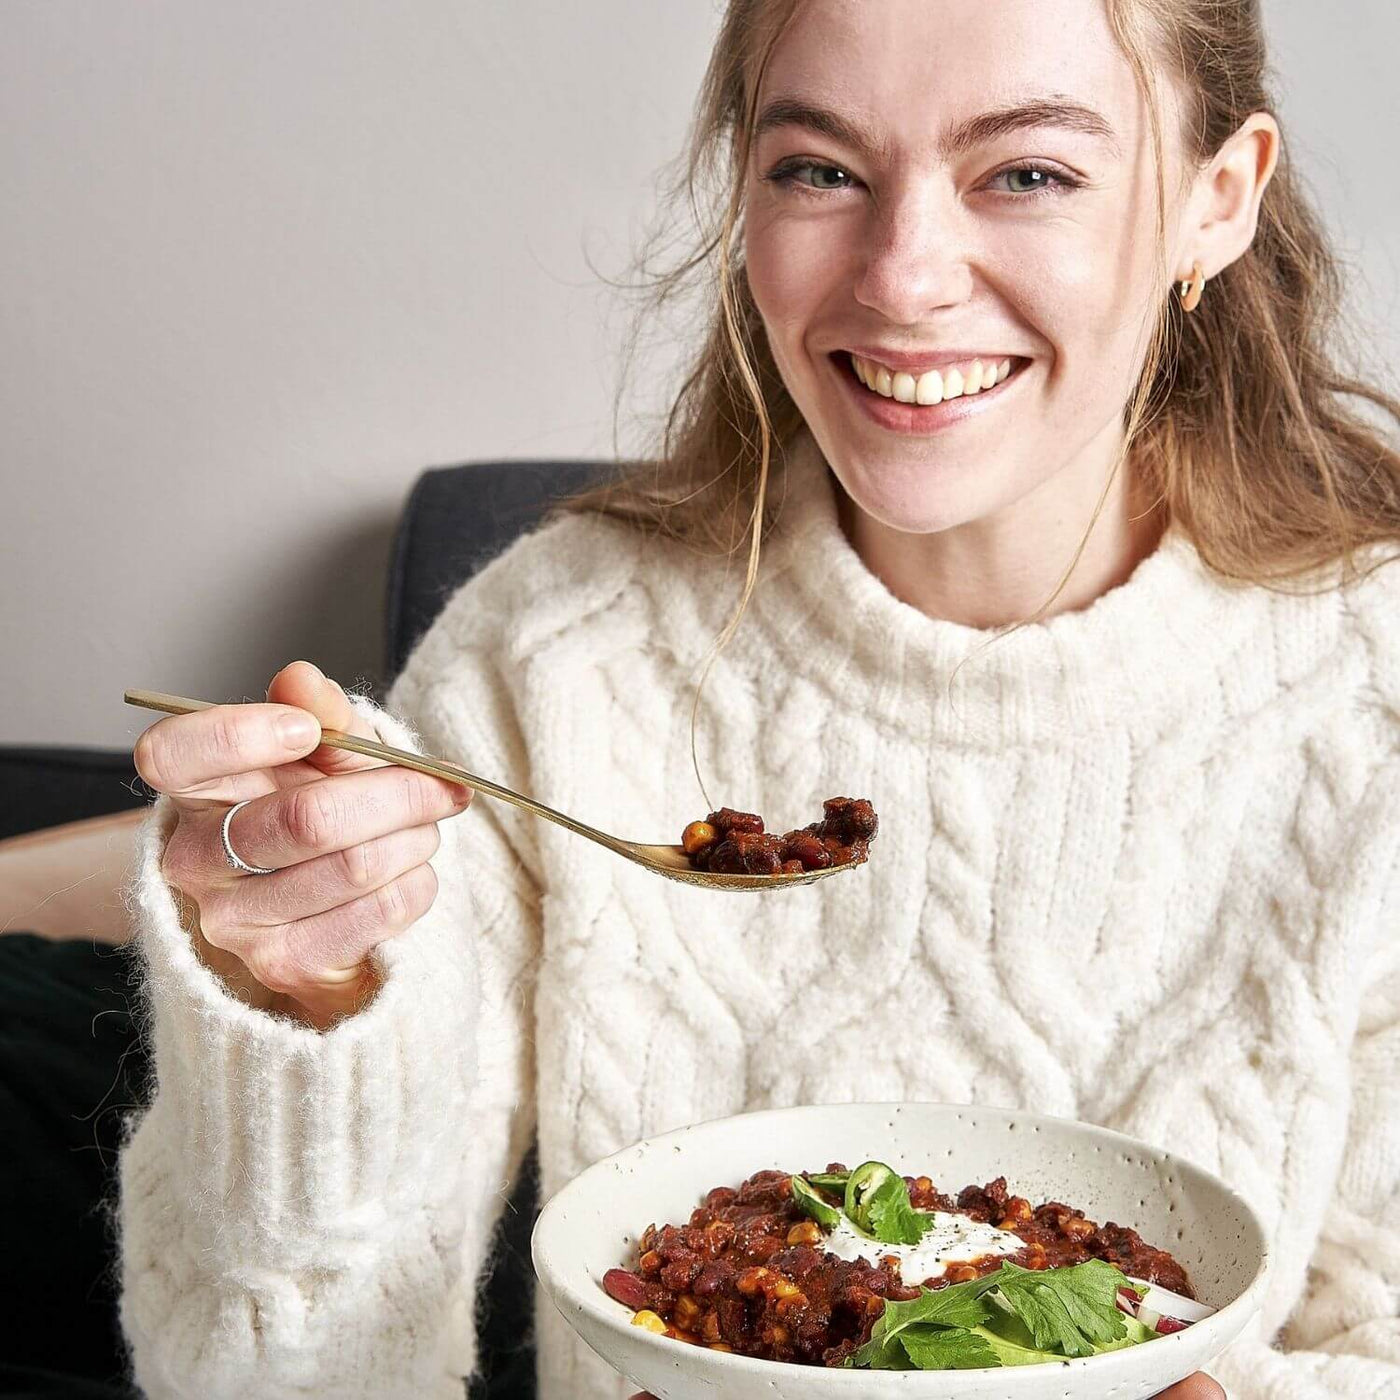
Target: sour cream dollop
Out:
[952,1239]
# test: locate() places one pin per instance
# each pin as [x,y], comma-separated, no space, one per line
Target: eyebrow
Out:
[1050,110]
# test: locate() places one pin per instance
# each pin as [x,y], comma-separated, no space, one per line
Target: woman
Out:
[1140,847]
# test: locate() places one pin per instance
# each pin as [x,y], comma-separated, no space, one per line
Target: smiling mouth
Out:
[964,379]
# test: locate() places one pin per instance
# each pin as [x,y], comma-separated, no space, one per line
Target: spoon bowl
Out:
[668,861]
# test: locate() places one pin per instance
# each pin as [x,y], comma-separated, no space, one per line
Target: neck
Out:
[1005,569]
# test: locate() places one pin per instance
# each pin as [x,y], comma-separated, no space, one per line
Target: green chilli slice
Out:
[863,1182]
[829,1181]
[810,1203]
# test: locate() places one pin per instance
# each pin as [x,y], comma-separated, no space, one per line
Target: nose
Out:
[915,263]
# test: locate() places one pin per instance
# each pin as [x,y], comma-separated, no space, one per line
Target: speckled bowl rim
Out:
[1107,1366]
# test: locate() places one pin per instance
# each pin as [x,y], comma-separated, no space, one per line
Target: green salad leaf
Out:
[948,1351]
[960,1308]
[1010,1317]
[1067,1310]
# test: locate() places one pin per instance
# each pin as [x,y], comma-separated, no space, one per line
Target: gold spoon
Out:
[670,861]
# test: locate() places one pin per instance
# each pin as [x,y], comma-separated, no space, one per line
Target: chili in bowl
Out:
[1125,1268]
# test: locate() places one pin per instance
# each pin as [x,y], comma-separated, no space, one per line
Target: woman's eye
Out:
[812,175]
[1033,180]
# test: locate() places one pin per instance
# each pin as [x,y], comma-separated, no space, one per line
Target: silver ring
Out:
[234,859]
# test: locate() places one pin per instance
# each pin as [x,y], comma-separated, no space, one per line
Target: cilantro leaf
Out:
[892,1219]
[960,1306]
[1067,1310]
[933,1349]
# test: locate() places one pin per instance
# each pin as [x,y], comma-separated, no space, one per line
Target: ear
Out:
[1223,208]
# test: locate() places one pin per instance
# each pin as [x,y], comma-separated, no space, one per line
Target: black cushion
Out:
[456,520]
[44,786]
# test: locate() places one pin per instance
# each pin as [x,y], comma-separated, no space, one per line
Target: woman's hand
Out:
[348,839]
[1197,1387]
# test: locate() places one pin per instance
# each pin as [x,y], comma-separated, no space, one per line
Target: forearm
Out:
[293,1198]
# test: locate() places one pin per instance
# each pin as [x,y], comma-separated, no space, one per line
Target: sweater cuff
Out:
[291,1137]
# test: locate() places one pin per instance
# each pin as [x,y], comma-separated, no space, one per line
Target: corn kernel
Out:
[650,1262]
[648,1319]
[785,1288]
[698,836]
[804,1232]
[687,1312]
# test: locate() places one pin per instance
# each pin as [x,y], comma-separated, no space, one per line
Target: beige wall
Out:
[260,262]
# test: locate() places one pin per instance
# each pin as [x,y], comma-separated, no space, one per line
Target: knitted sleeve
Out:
[306,1213]
[1343,1339]
[1343,1342]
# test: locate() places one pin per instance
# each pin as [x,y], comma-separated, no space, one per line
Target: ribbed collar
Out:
[1130,661]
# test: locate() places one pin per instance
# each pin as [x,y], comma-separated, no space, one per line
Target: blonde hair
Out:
[1242,425]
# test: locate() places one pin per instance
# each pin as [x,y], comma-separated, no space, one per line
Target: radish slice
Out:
[1166,1312]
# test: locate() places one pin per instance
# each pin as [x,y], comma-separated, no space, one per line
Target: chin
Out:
[917,499]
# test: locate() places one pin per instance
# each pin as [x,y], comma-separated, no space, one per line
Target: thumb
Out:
[304,685]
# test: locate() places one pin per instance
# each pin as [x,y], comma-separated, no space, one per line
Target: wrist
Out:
[319,1007]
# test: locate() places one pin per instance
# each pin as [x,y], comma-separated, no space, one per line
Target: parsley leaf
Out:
[1011,1317]
[1067,1310]
[960,1306]
[933,1350]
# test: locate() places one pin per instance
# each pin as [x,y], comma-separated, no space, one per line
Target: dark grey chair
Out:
[71,1062]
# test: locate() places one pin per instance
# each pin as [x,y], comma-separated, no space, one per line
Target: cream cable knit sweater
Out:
[1143,868]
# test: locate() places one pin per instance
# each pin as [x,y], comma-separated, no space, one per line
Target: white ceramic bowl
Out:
[592,1225]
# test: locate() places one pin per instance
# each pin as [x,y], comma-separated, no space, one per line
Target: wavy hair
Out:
[1243,424]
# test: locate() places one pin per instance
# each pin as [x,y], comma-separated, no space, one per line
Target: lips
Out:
[937,398]
[929,384]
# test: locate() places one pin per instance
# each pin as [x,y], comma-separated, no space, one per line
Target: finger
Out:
[328,950]
[193,756]
[239,910]
[304,684]
[1197,1387]
[314,819]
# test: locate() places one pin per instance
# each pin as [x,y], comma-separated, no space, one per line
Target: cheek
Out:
[791,269]
[1089,299]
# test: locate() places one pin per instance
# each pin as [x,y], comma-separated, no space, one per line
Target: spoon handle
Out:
[435,767]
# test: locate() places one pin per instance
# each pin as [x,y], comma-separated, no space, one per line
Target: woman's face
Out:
[935,184]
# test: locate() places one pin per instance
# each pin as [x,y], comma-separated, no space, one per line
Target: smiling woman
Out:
[1075,547]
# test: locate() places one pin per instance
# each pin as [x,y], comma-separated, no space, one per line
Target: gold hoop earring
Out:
[1192,291]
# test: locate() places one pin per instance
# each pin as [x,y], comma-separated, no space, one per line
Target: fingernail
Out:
[297,731]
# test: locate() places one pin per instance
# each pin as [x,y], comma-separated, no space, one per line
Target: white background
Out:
[262,262]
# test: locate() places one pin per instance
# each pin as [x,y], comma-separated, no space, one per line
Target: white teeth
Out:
[933,386]
[929,389]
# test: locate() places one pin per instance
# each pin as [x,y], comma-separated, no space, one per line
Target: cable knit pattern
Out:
[1138,865]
